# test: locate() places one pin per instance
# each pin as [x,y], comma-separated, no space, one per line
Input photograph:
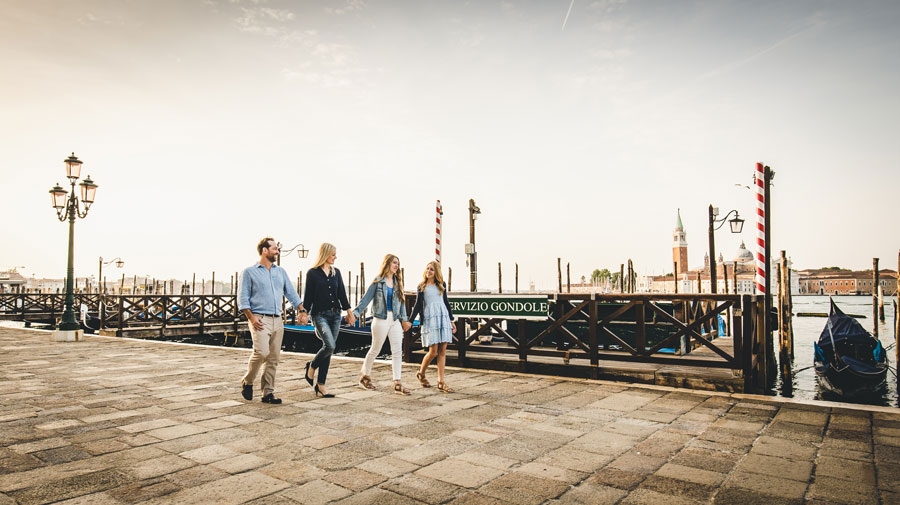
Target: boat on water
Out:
[848,360]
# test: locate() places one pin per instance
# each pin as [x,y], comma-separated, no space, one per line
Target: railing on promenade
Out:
[667,329]
[126,311]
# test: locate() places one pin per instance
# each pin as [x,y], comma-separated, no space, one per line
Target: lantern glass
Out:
[120,263]
[88,190]
[73,167]
[737,224]
[303,252]
[58,197]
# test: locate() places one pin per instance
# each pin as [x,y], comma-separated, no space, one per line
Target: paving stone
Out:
[841,491]
[209,454]
[742,496]
[523,489]
[475,498]
[388,466]
[460,473]
[160,466]
[588,493]
[316,492]
[620,479]
[784,488]
[195,476]
[637,463]
[377,496]
[776,467]
[648,497]
[834,468]
[695,475]
[678,487]
[144,490]
[241,463]
[69,487]
[422,488]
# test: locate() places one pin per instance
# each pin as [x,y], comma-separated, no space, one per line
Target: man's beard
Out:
[272,257]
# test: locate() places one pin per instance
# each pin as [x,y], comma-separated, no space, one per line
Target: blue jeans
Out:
[327,324]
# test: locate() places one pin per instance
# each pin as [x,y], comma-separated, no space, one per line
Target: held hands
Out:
[406,325]
[303,319]
[351,319]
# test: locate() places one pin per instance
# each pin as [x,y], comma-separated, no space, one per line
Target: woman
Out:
[324,298]
[437,322]
[389,320]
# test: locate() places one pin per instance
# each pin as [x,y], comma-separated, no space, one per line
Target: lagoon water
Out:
[807,331]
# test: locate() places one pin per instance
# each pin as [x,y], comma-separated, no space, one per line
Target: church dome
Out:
[743,255]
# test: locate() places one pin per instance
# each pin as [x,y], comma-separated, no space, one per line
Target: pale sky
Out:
[209,124]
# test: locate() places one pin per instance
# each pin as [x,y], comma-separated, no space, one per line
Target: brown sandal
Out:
[365,382]
[422,380]
[400,390]
[443,387]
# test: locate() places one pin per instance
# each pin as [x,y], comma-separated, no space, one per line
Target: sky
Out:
[579,129]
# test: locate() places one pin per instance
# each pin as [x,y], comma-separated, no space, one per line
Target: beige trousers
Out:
[266,349]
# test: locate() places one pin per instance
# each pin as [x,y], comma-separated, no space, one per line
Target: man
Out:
[262,287]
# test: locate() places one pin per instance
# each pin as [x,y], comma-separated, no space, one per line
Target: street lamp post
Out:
[119,264]
[68,207]
[737,224]
[302,252]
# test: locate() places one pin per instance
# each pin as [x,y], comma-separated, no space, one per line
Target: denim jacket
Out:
[378,292]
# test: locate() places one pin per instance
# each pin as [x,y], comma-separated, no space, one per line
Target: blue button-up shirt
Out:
[261,290]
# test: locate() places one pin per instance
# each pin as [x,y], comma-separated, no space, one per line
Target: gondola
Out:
[849,361]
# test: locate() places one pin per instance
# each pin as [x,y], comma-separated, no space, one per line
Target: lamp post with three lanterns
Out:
[68,206]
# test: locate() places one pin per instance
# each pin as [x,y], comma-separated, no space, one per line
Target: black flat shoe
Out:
[324,395]
[306,375]
[270,398]
[247,391]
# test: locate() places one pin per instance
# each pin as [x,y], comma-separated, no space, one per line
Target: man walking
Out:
[262,287]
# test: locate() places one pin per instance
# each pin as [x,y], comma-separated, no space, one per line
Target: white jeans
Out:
[382,328]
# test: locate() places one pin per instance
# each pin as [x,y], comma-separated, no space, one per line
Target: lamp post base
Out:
[68,336]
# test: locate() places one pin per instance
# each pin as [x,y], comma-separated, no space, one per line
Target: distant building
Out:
[845,282]
[11,281]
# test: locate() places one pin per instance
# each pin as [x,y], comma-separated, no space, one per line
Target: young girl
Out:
[324,298]
[389,320]
[437,322]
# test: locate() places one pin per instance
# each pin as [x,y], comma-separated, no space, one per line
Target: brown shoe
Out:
[444,388]
[365,382]
[422,380]
[400,390]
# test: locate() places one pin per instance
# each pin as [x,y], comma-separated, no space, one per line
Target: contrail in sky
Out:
[567,16]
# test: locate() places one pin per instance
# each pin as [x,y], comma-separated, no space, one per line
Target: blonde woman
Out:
[437,322]
[324,298]
[389,321]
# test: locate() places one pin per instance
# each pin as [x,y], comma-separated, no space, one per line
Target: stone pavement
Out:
[111,421]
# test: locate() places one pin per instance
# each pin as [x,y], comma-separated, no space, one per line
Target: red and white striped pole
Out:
[439,210]
[759,178]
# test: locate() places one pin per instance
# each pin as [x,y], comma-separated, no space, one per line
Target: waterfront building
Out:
[837,281]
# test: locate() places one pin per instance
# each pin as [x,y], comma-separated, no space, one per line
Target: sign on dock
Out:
[530,307]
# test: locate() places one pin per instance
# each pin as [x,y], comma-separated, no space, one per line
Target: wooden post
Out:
[362,285]
[760,341]
[134,285]
[194,283]
[449,279]
[523,350]
[356,282]
[630,276]
[783,318]
[231,285]
[517,278]
[699,282]
[621,277]
[875,297]
[770,343]
[725,276]
[593,344]
[559,273]
[568,277]
[790,312]
[122,285]
[880,303]
[675,275]
[214,283]
[499,278]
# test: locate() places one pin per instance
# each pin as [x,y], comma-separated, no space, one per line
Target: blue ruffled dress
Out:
[436,327]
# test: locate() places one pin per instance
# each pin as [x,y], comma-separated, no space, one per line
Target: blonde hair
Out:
[325,251]
[438,277]
[386,269]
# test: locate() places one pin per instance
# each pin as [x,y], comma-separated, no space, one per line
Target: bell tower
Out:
[679,247]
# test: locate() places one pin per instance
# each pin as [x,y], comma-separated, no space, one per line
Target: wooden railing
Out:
[647,328]
[616,327]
